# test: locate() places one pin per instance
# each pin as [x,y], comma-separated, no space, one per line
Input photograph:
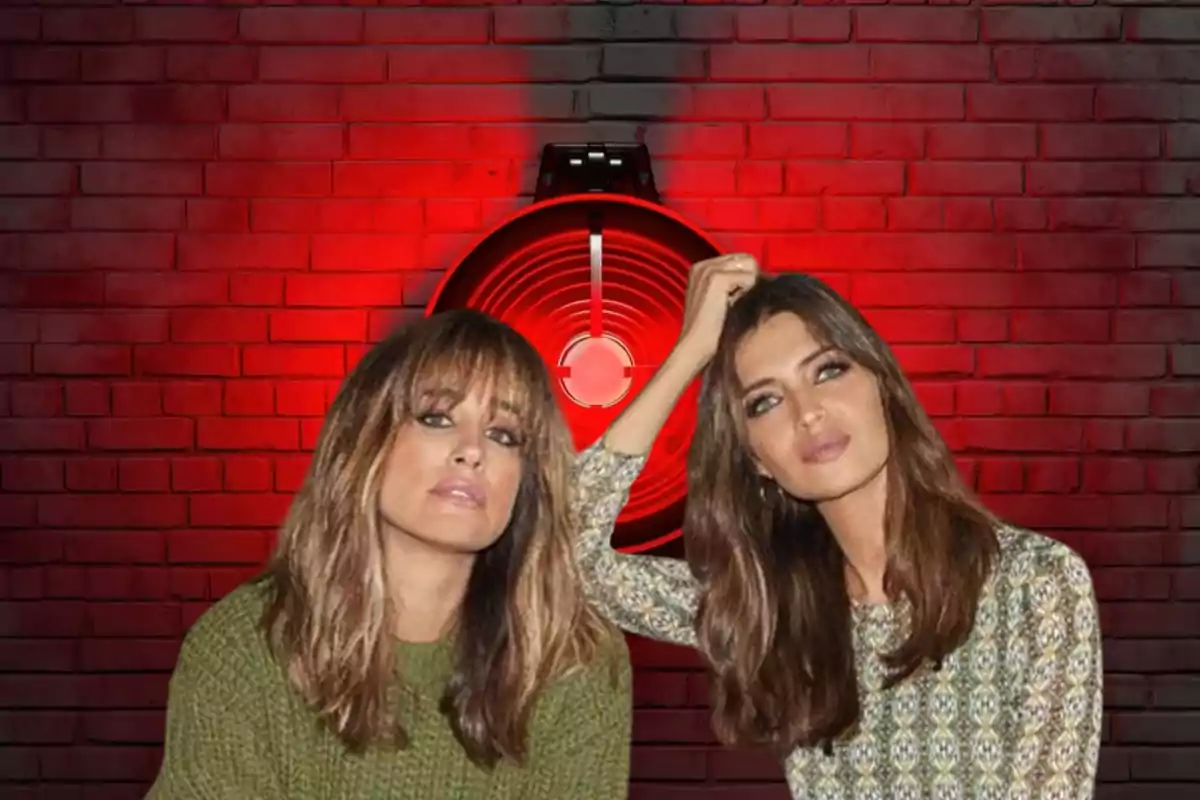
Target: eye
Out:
[757,406]
[834,368]
[434,419]
[505,437]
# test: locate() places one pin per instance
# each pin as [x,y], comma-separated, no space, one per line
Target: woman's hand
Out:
[712,286]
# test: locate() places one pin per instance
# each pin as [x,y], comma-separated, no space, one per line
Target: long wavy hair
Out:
[775,616]
[523,621]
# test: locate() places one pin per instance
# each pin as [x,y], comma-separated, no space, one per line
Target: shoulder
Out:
[226,642]
[1045,570]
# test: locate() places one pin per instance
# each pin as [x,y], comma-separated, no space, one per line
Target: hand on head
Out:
[712,285]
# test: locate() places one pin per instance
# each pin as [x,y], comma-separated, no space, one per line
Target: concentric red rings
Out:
[535,272]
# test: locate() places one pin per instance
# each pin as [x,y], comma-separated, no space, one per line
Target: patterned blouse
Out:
[1013,713]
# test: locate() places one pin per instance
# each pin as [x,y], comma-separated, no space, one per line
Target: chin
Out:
[830,487]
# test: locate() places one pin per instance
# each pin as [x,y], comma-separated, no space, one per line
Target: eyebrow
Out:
[455,397]
[808,359]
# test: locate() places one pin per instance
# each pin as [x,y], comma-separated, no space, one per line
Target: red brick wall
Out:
[207,211]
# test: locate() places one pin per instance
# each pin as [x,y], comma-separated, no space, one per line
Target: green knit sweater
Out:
[237,731]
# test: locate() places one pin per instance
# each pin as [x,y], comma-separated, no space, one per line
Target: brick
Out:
[136,399]
[243,251]
[427,26]
[37,178]
[157,289]
[1029,103]
[884,141]
[895,251]
[87,25]
[186,24]
[191,360]
[304,361]
[1060,326]
[277,179]
[916,25]
[931,62]
[218,325]
[33,214]
[844,177]
[982,141]
[853,213]
[248,473]
[247,434]
[322,65]
[81,359]
[365,252]
[235,511]
[1079,142]
[318,326]
[280,142]
[263,103]
[99,251]
[117,178]
[1074,251]
[964,178]
[782,62]
[1008,398]
[1051,24]
[211,63]
[217,215]
[457,103]
[1082,178]
[664,61]
[122,214]
[983,290]
[165,433]
[301,25]
[1148,25]
[111,511]
[1108,400]
[1158,325]
[157,143]
[46,63]
[123,65]
[1126,103]
[1075,361]
[862,102]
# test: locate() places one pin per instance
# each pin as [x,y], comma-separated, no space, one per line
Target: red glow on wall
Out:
[596,283]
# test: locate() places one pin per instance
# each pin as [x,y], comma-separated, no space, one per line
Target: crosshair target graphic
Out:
[597,283]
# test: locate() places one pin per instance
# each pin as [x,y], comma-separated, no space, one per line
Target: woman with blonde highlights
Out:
[420,631]
[861,613]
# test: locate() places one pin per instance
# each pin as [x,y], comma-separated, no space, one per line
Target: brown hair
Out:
[523,621]
[775,616]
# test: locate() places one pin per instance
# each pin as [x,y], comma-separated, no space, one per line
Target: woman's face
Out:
[814,418]
[452,476]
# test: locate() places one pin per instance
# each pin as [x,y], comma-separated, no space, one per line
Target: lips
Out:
[460,491]
[825,448]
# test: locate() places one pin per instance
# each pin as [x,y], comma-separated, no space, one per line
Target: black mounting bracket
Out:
[622,169]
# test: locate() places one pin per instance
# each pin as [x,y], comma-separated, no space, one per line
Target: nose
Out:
[809,408]
[468,450]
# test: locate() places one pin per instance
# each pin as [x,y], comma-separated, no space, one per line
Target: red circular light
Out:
[597,370]
[596,283]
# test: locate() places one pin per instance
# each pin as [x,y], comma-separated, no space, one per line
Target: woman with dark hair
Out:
[421,630]
[861,613]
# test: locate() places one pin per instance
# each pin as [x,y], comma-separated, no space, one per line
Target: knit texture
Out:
[236,730]
[1013,713]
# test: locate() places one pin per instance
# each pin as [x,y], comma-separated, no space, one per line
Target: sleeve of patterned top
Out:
[1058,735]
[646,595]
